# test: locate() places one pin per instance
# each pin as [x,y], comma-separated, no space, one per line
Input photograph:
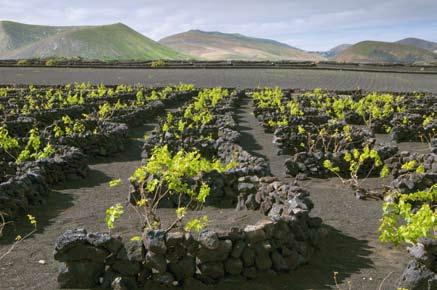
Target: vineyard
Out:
[138,187]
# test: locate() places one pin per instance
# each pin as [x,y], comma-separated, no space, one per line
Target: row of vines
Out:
[338,134]
[49,133]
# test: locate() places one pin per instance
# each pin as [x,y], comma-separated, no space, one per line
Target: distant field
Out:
[243,78]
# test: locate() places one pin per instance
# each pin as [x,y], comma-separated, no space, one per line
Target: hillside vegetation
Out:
[377,51]
[417,42]
[107,42]
[225,46]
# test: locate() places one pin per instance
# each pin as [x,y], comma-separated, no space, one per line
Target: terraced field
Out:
[242,78]
[146,188]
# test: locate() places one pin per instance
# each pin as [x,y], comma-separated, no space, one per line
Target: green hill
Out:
[417,42]
[106,42]
[225,46]
[377,51]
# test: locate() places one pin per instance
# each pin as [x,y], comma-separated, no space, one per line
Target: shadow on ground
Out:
[132,149]
[52,206]
[94,178]
[45,214]
[340,253]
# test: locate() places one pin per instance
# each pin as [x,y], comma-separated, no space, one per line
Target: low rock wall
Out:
[30,186]
[421,271]
[281,242]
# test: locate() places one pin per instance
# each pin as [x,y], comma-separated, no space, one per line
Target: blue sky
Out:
[309,24]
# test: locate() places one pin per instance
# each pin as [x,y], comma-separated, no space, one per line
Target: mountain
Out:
[417,42]
[106,42]
[335,50]
[377,51]
[225,46]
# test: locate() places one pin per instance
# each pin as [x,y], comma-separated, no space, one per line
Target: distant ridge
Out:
[378,51]
[106,42]
[120,42]
[335,50]
[233,46]
[420,43]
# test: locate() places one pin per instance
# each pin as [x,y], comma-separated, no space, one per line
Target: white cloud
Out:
[310,24]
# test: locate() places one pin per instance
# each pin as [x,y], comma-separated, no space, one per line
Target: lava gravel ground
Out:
[350,246]
[243,78]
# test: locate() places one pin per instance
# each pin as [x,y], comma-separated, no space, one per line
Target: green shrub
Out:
[51,62]
[23,62]
[166,175]
[157,63]
[409,217]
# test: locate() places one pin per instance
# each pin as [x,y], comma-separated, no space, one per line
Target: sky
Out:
[314,25]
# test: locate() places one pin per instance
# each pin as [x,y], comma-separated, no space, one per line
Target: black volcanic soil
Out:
[236,77]
[350,247]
